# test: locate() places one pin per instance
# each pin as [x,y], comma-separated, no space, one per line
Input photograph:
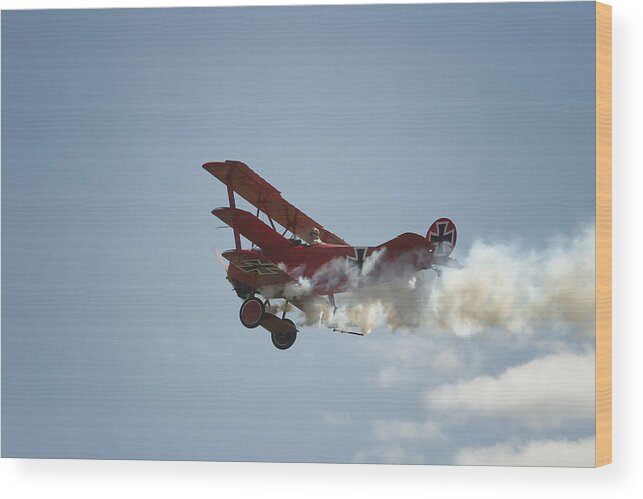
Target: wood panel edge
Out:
[603,234]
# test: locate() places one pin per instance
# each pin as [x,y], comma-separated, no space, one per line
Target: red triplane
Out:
[275,264]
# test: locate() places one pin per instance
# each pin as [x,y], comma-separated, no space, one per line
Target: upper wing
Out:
[266,198]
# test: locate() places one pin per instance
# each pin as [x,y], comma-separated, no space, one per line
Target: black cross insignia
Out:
[358,259]
[441,238]
[259,267]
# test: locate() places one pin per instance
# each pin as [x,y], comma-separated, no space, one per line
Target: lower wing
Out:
[254,269]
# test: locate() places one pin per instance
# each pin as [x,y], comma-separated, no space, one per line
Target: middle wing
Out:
[241,179]
[251,228]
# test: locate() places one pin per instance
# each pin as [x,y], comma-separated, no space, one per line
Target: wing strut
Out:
[264,196]
[237,238]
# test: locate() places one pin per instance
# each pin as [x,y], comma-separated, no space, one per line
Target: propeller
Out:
[224,263]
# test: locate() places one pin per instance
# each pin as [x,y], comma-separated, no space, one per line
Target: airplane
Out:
[275,265]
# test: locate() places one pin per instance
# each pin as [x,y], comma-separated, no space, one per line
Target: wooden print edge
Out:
[603,234]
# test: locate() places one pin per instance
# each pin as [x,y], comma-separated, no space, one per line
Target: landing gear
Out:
[286,336]
[251,312]
[282,331]
[241,289]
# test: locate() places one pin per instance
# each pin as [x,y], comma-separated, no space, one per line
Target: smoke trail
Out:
[499,286]
[502,287]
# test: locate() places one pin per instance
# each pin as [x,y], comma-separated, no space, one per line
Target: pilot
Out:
[314,236]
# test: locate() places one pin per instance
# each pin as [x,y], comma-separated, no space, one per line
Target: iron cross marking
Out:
[259,267]
[442,238]
[358,259]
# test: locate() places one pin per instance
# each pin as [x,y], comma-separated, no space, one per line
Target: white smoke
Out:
[498,286]
[504,287]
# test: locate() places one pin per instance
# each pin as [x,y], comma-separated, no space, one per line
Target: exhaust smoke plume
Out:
[499,286]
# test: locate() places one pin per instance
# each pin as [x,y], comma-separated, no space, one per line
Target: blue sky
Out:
[120,336]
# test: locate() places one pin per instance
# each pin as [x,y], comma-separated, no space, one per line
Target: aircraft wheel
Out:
[283,340]
[251,312]
[291,324]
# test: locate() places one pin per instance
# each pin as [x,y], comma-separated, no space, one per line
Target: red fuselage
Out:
[329,266]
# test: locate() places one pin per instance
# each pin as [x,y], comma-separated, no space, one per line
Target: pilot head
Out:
[314,236]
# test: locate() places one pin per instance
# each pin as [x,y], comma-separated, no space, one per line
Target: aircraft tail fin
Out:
[442,235]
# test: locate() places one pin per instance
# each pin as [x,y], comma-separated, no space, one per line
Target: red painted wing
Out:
[250,227]
[254,269]
[266,198]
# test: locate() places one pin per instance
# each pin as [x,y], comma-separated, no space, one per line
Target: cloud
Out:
[387,430]
[532,404]
[400,441]
[410,358]
[533,453]
[543,393]
[390,455]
